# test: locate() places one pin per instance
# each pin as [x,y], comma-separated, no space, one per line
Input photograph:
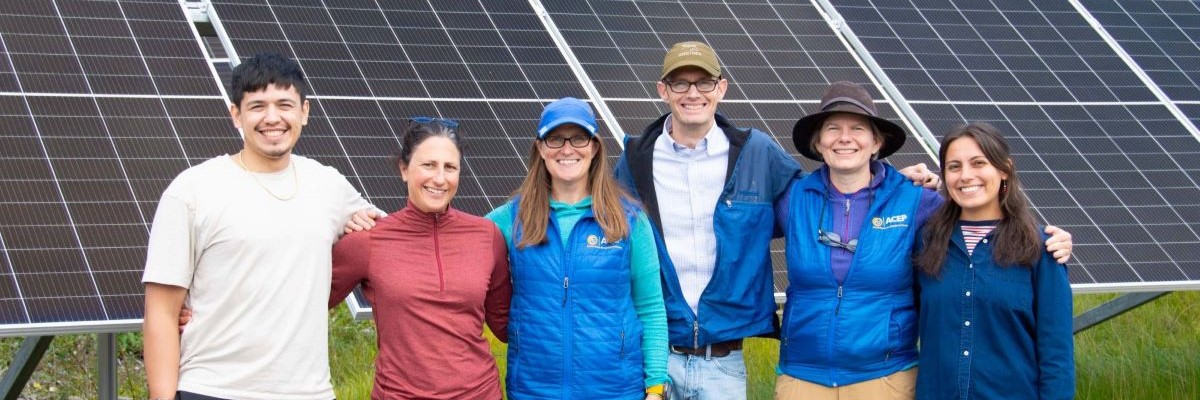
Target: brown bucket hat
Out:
[846,97]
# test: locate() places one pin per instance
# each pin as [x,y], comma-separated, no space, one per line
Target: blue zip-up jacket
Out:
[865,328]
[573,332]
[739,301]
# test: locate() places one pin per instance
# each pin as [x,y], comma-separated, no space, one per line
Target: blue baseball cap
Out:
[567,110]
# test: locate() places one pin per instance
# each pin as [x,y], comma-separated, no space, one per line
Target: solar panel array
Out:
[1100,155]
[102,103]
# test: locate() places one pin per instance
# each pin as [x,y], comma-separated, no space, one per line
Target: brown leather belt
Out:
[714,350]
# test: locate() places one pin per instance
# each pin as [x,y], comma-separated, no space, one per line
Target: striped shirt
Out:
[688,183]
[976,231]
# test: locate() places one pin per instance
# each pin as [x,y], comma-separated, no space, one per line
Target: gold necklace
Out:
[295,179]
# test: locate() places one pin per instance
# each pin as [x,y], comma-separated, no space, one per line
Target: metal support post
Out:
[26,360]
[1113,308]
[106,366]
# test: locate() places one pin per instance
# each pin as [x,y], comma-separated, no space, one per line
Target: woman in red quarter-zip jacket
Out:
[433,275]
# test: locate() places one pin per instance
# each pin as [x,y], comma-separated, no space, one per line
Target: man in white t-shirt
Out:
[244,241]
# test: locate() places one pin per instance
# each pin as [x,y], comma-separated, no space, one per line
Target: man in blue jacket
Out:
[709,188]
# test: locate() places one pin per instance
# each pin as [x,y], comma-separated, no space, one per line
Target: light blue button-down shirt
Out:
[688,183]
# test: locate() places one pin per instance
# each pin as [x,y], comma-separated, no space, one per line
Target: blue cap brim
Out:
[546,128]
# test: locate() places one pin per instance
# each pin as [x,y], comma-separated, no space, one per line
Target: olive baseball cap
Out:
[691,54]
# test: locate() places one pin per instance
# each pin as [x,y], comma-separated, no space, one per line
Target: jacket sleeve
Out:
[1054,340]
[351,259]
[782,213]
[499,296]
[648,301]
[783,168]
[623,175]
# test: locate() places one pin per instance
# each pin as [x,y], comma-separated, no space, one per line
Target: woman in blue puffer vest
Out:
[850,321]
[587,318]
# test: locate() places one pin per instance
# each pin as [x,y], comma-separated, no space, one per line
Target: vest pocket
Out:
[512,356]
[630,358]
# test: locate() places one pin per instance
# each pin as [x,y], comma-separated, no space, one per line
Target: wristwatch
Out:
[662,390]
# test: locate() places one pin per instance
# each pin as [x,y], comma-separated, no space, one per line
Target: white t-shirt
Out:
[258,273]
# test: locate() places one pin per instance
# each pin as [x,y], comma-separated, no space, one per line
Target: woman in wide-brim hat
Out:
[849,324]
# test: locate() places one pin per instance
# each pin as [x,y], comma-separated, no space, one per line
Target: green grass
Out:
[1152,352]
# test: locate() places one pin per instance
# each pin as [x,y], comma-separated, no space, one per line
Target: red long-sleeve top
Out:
[432,280]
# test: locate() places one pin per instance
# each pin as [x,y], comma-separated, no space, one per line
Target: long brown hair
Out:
[534,204]
[1017,240]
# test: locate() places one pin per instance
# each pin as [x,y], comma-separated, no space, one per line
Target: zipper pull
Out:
[847,206]
[622,355]
[838,309]
[566,282]
[696,334]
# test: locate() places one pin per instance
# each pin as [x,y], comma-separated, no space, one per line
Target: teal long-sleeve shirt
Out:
[644,272]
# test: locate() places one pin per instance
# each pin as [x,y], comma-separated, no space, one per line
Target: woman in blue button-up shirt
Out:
[995,309]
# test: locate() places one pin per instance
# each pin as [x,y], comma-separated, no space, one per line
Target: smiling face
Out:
[270,121]
[972,181]
[847,141]
[568,164]
[692,110]
[432,174]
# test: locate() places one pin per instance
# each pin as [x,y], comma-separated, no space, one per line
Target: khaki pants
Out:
[898,386]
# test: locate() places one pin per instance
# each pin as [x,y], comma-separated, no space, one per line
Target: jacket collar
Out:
[411,215]
[639,152]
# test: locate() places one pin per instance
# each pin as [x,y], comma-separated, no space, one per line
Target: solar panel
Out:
[1161,36]
[779,57]
[101,105]
[1101,156]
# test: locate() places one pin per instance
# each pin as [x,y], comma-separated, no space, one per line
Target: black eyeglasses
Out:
[832,239]
[577,141]
[446,122]
[703,86]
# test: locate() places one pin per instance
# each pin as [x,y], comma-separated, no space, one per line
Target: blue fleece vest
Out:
[866,328]
[573,331]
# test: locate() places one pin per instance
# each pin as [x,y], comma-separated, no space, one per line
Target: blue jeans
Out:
[714,378]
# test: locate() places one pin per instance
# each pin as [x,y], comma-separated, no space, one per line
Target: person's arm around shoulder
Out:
[648,302]
[920,175]
[351,262]
[782,212]
[361,214]
[622,173]
[1059,244]
[170,265]
[160,332]
[502,217]
[499,295]
[1054,337]
[782,167]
